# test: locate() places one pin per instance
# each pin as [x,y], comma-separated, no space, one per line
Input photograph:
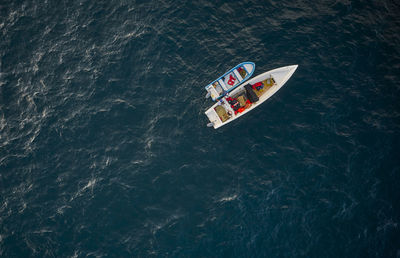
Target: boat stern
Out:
[211,91]
[213,118]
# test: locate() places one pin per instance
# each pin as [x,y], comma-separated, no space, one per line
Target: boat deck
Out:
[268,83]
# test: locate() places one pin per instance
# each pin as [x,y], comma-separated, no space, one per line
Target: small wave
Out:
[228,198]
[89,186]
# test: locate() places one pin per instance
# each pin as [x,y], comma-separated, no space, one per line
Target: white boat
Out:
[230,80]
[248,96]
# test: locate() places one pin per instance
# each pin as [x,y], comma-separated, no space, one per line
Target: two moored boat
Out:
[245,96]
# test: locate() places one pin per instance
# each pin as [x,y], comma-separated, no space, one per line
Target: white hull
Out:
[280,76]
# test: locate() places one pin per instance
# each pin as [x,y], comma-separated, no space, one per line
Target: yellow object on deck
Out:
[242,101]
[222,113]
[268,83]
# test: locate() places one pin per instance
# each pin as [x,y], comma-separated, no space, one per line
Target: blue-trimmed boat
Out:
[230,80]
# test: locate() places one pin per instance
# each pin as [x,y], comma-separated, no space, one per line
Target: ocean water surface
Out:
[105,152]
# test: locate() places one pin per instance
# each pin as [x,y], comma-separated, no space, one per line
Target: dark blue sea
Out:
[105,152]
